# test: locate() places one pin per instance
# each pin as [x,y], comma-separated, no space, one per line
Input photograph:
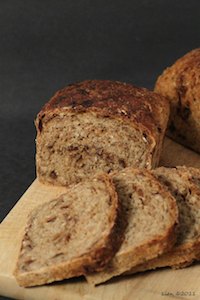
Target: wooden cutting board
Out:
[161,284]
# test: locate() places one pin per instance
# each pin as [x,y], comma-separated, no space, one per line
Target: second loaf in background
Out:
[180,83]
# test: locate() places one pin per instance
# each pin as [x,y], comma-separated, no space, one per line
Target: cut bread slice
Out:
[152,217]
[75,233]
[184,184]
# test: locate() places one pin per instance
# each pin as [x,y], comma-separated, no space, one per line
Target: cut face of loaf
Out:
[180,83]
[68,236]
[184,184]
[96,126]
[151,213]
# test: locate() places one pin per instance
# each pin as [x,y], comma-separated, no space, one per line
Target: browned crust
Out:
[94,260]
[149,250]
[173,84]
[181,257]
[112,99]
[180,83]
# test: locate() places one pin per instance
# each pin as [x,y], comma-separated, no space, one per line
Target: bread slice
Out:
[180,83]
[68,236]
[184,184]
[98,126]
[152,217]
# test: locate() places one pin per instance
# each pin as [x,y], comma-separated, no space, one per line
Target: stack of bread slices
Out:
[120,214]
[126,222]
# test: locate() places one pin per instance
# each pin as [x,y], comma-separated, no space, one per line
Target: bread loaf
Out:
[152,217]
[98,125]
[68,236]
[184,184]
[180,83]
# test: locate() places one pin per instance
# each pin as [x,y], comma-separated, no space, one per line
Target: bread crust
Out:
[114,98]
[180,83]
[94,260]
[138,107]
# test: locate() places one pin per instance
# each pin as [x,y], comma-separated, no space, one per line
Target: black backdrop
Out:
[44,45]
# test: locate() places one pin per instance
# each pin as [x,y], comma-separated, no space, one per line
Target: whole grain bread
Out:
[98,125]
[180,83]
[184,184]
[69,236]
[152,217]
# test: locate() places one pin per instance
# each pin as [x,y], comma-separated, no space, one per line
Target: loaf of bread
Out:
[180,83]
[69,236]
[98,125]
[152,217]
[184,184]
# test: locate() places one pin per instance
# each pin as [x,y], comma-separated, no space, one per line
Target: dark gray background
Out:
[44,45]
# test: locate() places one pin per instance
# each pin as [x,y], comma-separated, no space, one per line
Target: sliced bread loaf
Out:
[184,184]
[98,126]
[68,236]
[152,217]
